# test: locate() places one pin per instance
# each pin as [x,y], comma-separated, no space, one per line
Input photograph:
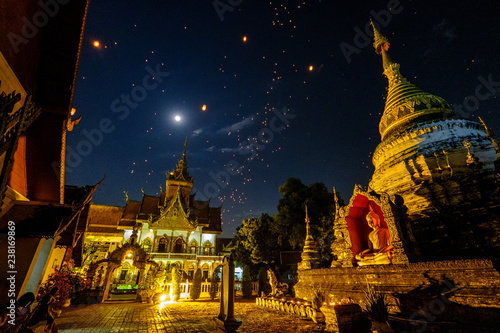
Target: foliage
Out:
[168,272]
[289,221]
[176,282]
[151,282]
[67,280]
[256,243]
[259,241]
[214,285]
[246,283]
[376,305]
[317,299]
[195,291]
[88,252]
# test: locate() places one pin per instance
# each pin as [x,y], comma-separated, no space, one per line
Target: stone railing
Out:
[205,289]
[185,256]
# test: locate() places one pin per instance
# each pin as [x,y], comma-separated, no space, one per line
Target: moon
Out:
[177,118]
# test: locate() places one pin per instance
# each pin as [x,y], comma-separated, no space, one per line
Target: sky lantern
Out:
[311,68]
[244,38]
[96,43]
[204,107]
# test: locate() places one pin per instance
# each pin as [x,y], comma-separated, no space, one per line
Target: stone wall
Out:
[474,283]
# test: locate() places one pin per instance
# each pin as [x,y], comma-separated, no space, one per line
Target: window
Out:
[178,245]
[162,245]
[193,246]
[146,244]
[207,248]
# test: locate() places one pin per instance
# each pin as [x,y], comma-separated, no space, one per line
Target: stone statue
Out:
[380,251]
[278,288]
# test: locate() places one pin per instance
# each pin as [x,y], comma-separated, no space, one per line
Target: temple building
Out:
[42,215]
[171,228]
[431,212]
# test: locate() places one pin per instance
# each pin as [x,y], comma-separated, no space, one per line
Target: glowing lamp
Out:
[96,43]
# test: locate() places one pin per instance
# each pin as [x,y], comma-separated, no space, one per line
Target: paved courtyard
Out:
[187,316]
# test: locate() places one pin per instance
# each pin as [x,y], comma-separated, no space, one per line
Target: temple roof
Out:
[406,105]
[104,219]
[200,212]
[132,210]
[37,219]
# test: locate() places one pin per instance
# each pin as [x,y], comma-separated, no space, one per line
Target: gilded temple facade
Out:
[172,228]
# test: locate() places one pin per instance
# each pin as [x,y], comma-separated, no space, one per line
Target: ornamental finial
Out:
[308,228]
[379,41]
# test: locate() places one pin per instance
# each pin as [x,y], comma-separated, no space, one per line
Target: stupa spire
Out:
[381,45]
[308,228]
[310,255]
[406,105]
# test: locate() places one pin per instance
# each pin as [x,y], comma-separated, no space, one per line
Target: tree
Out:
[214,284]
[176,282]
[246,283]
[259,241]
[256,243]
[289,221]
[195,291]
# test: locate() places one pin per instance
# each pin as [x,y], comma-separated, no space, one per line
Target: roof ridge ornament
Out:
[181,173]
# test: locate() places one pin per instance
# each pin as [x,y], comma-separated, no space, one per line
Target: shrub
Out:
[176,282]
[195,291]
[214,286]
[246,283]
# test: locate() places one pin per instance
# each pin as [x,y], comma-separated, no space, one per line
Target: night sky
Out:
[249,63]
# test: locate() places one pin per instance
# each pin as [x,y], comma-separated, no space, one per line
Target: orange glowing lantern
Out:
[96,43]
[204,108]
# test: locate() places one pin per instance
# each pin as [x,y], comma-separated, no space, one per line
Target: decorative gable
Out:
[173,216]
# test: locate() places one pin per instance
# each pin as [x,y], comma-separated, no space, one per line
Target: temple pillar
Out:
[225,321]
[109,272]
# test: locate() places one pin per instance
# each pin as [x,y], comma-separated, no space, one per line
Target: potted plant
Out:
[377,310]
[68,282]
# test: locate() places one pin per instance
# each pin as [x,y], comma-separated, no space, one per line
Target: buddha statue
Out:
[380,251]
